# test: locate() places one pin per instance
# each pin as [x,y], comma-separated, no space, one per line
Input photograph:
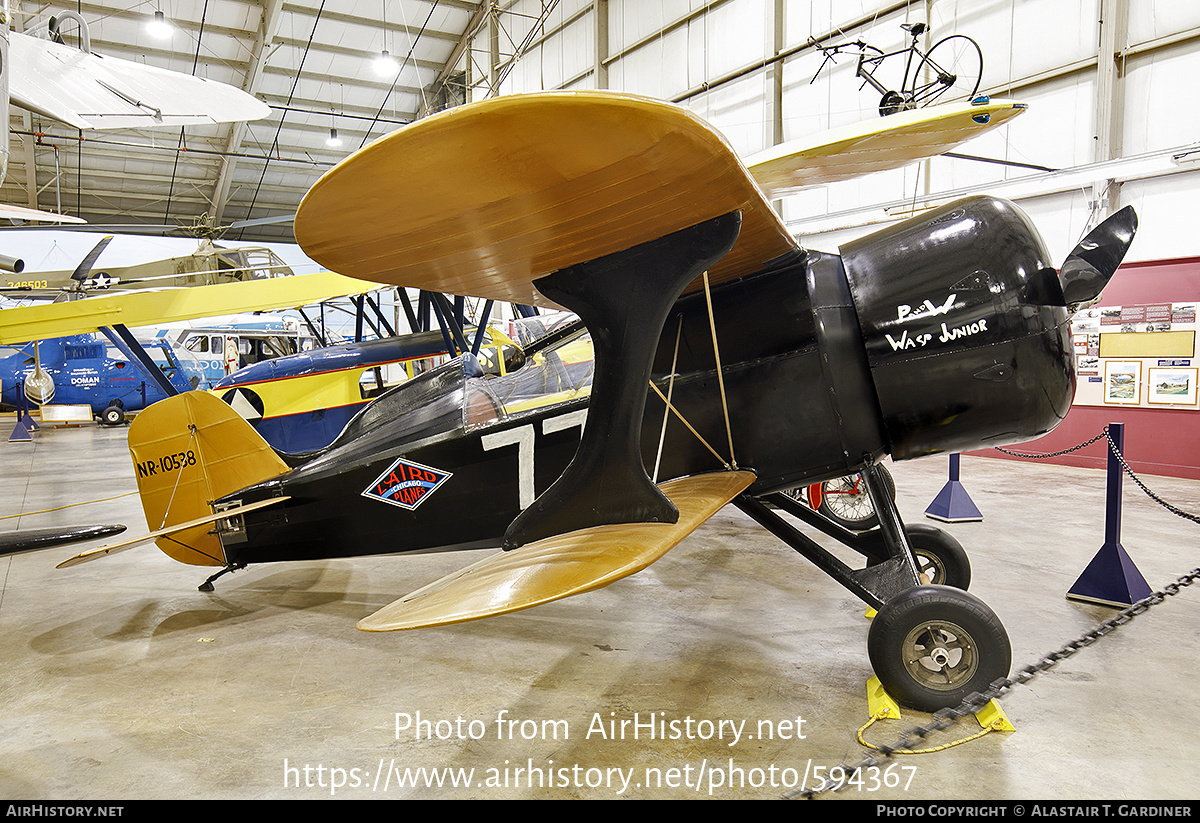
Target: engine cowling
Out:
[965,328]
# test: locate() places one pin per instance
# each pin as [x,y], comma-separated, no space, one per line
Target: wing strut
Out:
[662,436]
[712,327]
[124,340]
[623,299]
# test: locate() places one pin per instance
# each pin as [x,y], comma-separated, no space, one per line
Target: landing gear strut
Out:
[931,643]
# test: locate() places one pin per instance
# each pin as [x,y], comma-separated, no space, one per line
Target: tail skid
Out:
[189,450]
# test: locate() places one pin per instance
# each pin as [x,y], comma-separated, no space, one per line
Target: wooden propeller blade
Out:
[560,566]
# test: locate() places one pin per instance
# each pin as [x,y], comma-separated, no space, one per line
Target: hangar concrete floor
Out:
[122,681]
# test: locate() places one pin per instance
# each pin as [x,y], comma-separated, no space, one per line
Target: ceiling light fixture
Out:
[385,66]
[158,26]
[333,140]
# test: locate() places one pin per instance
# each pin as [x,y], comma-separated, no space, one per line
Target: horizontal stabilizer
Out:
[35,539]
[104,551]
[560,566]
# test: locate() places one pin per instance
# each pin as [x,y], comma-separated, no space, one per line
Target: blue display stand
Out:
[953,504]
[1111,579]
[25,422]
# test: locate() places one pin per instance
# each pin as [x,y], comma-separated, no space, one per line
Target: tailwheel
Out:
[932,646]
[207,585]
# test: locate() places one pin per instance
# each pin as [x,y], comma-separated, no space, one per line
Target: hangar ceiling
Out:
[311,61]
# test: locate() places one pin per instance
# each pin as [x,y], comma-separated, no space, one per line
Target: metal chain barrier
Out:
[945,718]
[1083,445]
[1125,466]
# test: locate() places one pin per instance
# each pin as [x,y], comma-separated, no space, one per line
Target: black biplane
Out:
[730,359]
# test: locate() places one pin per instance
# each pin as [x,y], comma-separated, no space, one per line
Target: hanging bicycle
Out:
[950,70]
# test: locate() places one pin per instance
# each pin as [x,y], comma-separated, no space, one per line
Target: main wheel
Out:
[949,71]
[941,559]
[112,416]
[845,501]
[931,646]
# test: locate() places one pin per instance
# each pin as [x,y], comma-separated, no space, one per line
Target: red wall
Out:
[1157,441]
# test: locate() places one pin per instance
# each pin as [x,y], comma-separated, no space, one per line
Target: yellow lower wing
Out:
[484,198]
[560,566]
[873,145]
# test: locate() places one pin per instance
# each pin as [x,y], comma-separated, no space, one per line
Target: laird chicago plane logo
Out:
[406,484]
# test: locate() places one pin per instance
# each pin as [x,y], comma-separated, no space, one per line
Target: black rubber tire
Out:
[932,646]
[112,416]
[939,556]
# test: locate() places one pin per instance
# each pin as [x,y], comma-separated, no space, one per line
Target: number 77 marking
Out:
[523,438]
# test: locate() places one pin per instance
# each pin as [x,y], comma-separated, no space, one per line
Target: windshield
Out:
[558,373]
[459,396]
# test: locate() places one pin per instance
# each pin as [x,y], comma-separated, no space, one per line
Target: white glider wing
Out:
[91,91]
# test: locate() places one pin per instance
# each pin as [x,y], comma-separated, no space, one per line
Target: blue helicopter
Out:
[80,370]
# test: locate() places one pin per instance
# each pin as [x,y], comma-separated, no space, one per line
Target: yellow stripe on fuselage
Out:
[294,395]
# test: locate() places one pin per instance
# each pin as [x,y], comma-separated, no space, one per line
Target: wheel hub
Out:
[940,655]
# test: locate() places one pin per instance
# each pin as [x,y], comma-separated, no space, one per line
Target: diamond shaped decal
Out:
[406,484]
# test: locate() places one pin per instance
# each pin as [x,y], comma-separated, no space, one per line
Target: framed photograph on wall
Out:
[1123,382]
[1171,386]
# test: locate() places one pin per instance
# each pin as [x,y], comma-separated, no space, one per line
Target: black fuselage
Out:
[828,363]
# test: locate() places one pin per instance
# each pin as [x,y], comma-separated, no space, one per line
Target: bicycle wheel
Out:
[845,501]
[949,71]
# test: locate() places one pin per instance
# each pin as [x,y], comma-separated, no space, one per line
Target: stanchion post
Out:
[1114,486]
[25,423]
[953,504]
[1111,579]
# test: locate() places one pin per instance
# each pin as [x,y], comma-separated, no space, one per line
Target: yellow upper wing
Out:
[873,145]
[484,198]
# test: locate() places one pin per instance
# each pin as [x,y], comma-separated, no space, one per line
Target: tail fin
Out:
[189,450]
